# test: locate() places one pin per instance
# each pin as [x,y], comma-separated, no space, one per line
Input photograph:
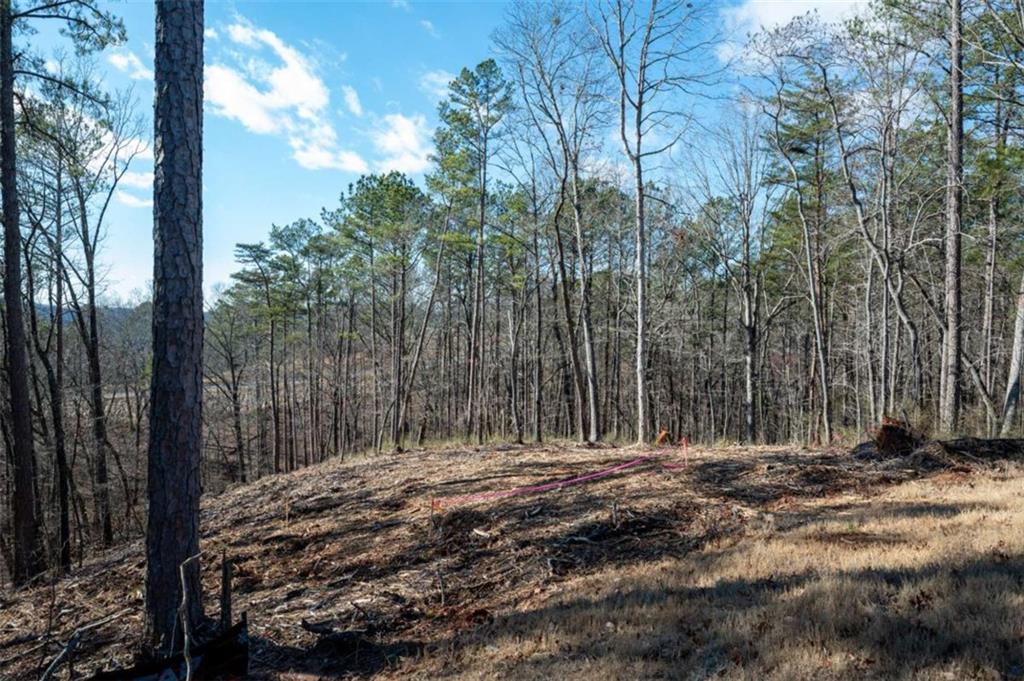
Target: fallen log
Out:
[897,443]
[986,449]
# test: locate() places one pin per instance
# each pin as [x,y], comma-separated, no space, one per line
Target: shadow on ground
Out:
[956,620]
[346,571]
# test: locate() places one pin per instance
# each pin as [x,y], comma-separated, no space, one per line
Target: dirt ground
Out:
[737,562]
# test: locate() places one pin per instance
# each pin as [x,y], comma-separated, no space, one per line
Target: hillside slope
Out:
[739,562]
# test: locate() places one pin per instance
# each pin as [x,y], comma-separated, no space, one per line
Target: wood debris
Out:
[345,569]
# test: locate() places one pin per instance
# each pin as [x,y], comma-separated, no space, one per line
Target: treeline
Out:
[789,259]
[622,232]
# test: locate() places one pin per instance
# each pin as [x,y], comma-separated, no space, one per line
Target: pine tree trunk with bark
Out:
[28,556]
[177,381]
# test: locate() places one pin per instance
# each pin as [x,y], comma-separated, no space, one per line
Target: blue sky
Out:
[302,97]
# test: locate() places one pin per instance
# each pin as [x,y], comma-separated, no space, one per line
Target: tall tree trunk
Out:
[275,398]
[400,381]
[949,409]
[54,369]
[570,324]
[99,418]
[989,305]
[28,556]
[422,335]
[57,389]
[475,382]
[374,357]
[750,379]
[236,422]
[538,364]
[175,435]
[346,382]
[311,440]
[479,304]
[261,420]
[589,359]
[640,268]
[1013,380]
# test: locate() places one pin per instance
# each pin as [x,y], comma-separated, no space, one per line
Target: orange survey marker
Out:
[684,444]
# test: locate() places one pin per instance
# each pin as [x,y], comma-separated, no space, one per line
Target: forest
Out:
[636,230]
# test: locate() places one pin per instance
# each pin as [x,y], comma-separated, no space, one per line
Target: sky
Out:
[304,97]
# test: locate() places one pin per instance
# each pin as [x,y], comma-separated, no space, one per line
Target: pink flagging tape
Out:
[537,489]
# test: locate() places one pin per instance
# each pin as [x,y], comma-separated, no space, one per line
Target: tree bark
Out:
[570,325]
[175,437]
[750,353]
[949,408]
[28,556]
[641,303]
[589,358]
[538,364]
[1012,398]
[99,417]
[54,369]
[989,305]
[57,389]
[422,335]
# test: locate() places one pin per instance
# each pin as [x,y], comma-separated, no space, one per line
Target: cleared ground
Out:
[740,563]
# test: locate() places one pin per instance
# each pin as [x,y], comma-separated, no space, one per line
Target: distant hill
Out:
[114,313]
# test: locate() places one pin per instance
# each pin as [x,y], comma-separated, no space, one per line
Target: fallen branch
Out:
[187,650]
[338,642]
[76,636]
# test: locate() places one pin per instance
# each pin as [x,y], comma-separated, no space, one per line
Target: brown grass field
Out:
[747,563]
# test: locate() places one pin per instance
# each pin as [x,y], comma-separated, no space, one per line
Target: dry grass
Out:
[921,582]
[751,563]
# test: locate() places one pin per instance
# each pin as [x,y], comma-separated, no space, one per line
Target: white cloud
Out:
[128,62]
[232,96]
[137,180]
[429,27]
[401,4]
[403,142]
[753,15]
[352,100]
[750,16]
[211,34]
[286,97]
[292,85]
[317,149]
[435,83]
[113,152]
[318,158]
[611,168]
[133,201]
